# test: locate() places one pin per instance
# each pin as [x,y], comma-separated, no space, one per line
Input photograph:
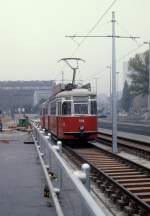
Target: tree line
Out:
[138,73]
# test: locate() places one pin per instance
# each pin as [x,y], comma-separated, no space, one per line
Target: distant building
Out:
[23,94]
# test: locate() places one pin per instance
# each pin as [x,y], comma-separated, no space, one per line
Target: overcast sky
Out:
[32,37]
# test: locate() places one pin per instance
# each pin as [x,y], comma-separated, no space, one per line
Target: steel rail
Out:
[124,138]
[107,138]
[140,167]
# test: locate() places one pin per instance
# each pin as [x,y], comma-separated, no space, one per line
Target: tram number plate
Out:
[81,120]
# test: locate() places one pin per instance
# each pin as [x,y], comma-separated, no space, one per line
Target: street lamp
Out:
[96,79]
[148,42]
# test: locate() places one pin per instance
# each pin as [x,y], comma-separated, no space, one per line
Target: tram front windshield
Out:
[80,105]
[81,108]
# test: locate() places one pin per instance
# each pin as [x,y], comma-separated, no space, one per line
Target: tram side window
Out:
[59,108]
[66,108]
[93,108]
[46,111]
[43,111]
[53,108]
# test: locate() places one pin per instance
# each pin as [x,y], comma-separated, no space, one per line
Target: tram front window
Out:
[66,108]
[81,108]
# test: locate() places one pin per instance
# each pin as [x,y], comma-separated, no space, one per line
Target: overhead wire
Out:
[91,30]
[131,51]
[127,32]
[94,26]
[119,59]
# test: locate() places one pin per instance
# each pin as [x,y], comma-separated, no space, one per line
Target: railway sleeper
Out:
[134,180]
[139,189]
[132,173]
[105,167]
[102,163]
[143,194]
[120,170]
[138,184]
[129,177]
[147,200]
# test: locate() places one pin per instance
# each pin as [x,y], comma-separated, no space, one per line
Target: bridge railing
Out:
[70,197]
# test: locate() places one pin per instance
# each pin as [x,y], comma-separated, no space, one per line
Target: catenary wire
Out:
[94,26]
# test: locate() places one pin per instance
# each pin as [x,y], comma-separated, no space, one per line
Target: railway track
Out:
[125,182]
[136,147]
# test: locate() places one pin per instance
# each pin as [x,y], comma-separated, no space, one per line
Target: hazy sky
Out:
[32,37]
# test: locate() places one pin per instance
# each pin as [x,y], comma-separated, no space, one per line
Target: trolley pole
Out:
[114,109]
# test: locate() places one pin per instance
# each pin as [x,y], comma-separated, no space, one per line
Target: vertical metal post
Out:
[109,67]
[149,85]
[59,144]
[86,169]
[117,88]
[110,80]
[114,113]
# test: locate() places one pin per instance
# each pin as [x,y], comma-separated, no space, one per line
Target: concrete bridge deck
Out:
[21,178]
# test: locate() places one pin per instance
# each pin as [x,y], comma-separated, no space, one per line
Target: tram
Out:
[71,114]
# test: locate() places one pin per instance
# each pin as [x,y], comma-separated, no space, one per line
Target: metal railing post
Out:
[86,169]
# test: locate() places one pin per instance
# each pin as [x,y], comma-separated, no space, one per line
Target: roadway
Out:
[137,127]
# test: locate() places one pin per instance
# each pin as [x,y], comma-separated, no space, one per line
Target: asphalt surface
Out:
[22,181]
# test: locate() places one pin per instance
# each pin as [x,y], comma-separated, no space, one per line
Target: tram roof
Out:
[75,92]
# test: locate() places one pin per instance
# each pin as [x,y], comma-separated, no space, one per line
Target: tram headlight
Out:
[81,128]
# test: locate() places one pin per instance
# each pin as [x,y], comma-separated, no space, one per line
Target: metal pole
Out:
[109,67]
[117,88]
[149,85]
[86,169]
[110,80]
[114,113]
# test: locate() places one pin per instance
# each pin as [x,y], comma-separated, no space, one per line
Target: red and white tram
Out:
[71,114]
